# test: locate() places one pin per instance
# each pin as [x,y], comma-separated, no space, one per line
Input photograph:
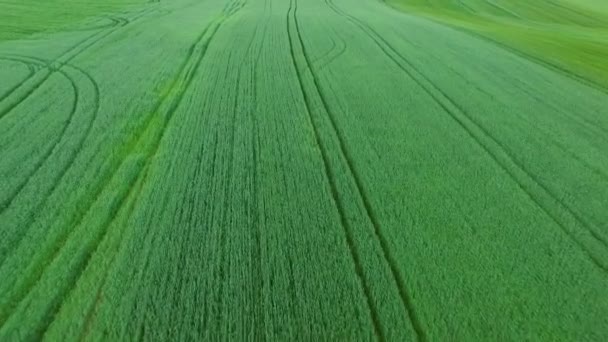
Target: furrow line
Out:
[229,175]
[191,219]
[580,14]
[207,310]
[257,231]
[350,240]
[226,217]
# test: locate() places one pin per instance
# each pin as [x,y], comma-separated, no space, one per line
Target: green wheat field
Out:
[314,170]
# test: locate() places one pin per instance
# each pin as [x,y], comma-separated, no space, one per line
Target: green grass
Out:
[302,170]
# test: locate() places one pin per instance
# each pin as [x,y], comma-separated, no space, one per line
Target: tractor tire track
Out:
[334,57]
[31,72]
[4,204]
[527,56]
[557,142]
[584,124]
[65,58]
[131,200]
[165,108]
[77,265]
[329,173]
[45,197]
[133,195]
[111,21]
[466,7]
[188,69]
[499,153]
[548,65]
[332,54]
[402,288]
[200,47]
[52,68]
[24,228]
[502,9]
[53,148]
[592,229]
[597,22]
[328,52]
[599,130]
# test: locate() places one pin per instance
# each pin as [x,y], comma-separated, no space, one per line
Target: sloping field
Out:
[568,36]
[22,18]
[301,170]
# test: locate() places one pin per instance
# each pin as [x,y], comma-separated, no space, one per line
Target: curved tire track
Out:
[66,57]
[334,53]
[165,108]
[7,202]
[53,148]
[31,71]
